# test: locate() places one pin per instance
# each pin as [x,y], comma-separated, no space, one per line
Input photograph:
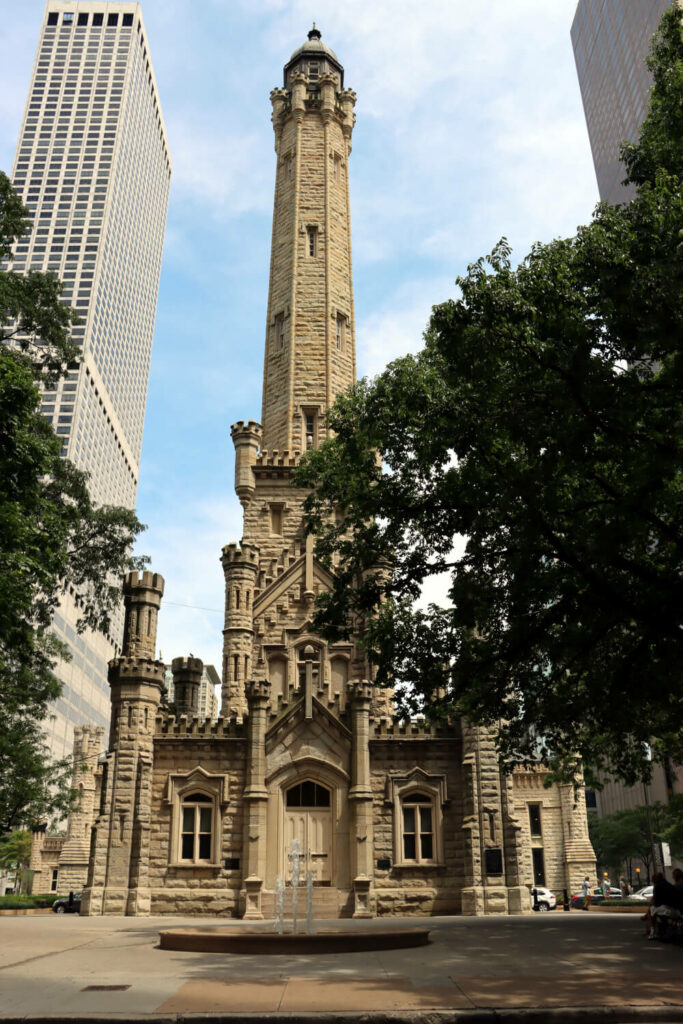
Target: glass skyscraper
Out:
[93,166]
[611,39]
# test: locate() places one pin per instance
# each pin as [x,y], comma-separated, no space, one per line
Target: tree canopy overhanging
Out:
[542,423]
[52,536]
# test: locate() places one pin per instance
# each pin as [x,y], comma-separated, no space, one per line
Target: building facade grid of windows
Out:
[93,167]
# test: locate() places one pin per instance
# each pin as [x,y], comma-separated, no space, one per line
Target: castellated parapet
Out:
[142,593]
[187,676]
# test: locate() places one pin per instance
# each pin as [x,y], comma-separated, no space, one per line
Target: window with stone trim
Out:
[197,800]
[197,828]
[417,799]
[53,881]
[418,828]
[312,240]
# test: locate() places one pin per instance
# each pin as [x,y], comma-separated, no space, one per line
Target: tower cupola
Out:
[314,59]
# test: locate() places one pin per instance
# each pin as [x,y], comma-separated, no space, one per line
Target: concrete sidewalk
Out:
[546,966]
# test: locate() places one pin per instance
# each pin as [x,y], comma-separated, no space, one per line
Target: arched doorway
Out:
[308,818]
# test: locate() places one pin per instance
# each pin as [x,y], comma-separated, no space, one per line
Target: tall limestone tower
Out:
[271,580]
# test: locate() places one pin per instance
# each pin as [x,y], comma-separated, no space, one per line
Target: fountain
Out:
[343,939]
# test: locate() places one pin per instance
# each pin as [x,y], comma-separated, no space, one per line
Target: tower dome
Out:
[313,52]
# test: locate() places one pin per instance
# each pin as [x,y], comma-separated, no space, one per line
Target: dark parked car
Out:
[70,904]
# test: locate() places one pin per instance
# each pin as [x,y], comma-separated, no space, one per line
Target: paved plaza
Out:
[72,967]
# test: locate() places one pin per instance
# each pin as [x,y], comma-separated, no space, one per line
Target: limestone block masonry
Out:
[194,816]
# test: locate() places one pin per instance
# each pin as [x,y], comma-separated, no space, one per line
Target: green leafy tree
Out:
[624,836]
[15,848]
[51,534]
[542,423]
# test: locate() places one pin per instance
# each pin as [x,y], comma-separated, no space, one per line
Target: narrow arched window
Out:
[197,818]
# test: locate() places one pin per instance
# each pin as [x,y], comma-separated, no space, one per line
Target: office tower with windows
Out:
[611,39]
[92,165]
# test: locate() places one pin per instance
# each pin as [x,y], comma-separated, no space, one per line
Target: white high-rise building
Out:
[92,165]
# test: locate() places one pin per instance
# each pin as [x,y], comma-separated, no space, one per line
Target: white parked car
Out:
[644,894]
[546,899]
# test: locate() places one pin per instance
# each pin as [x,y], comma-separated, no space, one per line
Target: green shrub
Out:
[25,902]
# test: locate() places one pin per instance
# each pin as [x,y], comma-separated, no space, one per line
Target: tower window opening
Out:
[312,241]
[341,331]
[280,331]
[301,667]
[314,71]
[310,428]
[276,519]
[336,166]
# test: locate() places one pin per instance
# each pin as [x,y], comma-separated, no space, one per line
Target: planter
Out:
[23,911]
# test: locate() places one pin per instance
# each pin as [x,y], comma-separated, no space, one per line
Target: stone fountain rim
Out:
[236,940]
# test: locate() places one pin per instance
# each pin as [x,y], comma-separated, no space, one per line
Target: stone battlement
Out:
[276,458]
[245,427]
[141,668]
[240,554]
[170,725]
[145,580]
[391,729]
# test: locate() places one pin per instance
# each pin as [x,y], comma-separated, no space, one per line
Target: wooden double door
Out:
[308,818]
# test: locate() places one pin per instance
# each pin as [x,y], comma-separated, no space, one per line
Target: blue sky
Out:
[469,127]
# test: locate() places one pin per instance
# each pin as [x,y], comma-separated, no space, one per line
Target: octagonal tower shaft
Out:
[310,333]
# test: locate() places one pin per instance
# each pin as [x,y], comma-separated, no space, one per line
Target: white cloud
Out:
[396,328]
[226,171]
[184,544]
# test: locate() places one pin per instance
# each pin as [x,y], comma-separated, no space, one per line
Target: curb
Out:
[554,1015]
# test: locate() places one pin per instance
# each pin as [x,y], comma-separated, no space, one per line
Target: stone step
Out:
[327,904]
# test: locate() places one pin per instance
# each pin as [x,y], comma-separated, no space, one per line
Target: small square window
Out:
[82,19]
[67,18]
[53,18]
[127,20]
[97,19]
[112,20]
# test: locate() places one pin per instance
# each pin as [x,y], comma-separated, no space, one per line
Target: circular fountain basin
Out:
[327,940]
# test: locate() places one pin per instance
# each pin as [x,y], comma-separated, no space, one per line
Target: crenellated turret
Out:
[118,880]
[240,567]
[187,676]
[142,593]
[246,438]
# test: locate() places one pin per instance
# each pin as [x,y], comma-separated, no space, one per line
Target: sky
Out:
[469,127]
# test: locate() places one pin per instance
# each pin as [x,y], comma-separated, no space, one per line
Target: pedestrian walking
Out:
[587,893]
